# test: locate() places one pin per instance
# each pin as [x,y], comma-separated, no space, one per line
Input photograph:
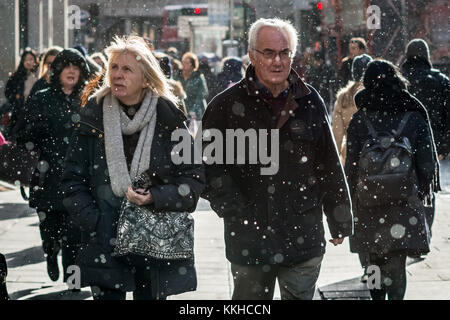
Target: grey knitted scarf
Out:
[116,123]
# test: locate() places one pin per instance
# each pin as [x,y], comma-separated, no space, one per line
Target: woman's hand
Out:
[139,197]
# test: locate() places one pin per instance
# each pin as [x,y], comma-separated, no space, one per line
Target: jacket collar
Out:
[299,88]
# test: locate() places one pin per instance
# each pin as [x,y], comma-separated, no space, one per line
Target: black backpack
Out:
[386,175]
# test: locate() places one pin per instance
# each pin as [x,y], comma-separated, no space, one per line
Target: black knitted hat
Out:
[359,65]
[418,49]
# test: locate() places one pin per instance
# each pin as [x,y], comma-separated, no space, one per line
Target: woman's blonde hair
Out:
[152,73]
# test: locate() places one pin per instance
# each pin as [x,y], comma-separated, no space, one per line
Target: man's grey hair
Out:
[284,25]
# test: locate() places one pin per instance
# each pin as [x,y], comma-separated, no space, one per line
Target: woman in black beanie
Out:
[389,233]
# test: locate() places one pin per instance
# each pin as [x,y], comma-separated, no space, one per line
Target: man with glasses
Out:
[273,223]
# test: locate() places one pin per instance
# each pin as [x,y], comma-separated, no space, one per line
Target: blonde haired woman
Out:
[344,109]
[124,130]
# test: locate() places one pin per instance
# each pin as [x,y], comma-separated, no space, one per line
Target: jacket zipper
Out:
[90,125]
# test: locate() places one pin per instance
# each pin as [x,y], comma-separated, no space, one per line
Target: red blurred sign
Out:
[319,6]
[197,10]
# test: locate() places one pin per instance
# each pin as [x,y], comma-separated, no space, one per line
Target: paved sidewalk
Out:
[339,278]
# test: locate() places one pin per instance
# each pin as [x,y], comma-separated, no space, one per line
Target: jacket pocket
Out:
[299,144]
[303,212]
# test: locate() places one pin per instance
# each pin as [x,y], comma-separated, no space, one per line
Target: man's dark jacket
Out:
[432,88]
[272,219]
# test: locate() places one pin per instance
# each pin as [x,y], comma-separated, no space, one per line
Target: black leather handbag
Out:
[143,231]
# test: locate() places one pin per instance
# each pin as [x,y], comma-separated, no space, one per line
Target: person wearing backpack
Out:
[432,88]
[392,171]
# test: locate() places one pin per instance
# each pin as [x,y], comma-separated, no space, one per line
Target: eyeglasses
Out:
[272,54]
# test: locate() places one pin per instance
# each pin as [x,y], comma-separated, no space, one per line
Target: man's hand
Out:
[139,197]
[336,241]
[441,157]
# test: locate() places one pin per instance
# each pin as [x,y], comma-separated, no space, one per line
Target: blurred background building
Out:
[218,27]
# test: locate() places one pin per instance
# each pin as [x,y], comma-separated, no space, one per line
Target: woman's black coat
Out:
[14,90]
[39,85]
[386,229]
[47,128]
[92,204]
[14,93]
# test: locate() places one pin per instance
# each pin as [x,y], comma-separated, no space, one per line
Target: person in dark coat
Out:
[47,127]
[102,161]
[231,73]
[357,46]
[322,78]
[389,233]
[19,86]
[273,214]
[176,86]
[210,78]
[44,69]
[432,88]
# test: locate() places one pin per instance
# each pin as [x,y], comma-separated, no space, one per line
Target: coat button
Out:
[100,136]
[78,125]
[93,131]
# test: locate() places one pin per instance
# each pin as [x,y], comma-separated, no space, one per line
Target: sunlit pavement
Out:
[339,278]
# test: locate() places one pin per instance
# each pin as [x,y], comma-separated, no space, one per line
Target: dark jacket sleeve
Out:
[424,160]
[78,199]
[354,147]
[444,147]
[32,124]
[222,192]
[12,88]
[335,193]
[38,85]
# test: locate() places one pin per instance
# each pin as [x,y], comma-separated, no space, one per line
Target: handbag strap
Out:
[24,194]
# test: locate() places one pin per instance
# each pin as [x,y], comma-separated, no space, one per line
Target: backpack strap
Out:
[402,124]
[24,194]
[372,131]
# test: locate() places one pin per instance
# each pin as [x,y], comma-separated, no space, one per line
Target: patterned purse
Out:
[146,232]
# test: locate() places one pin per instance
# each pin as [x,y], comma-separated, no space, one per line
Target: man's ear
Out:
[251,56]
